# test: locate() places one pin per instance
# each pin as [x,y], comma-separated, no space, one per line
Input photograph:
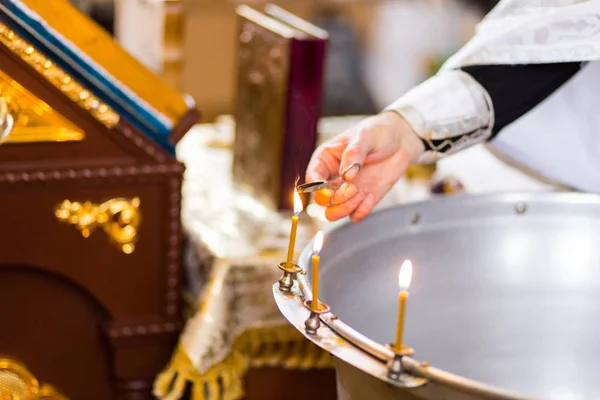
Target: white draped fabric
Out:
[534,31]
[560,138]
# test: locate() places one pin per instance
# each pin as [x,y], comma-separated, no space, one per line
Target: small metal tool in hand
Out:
[332,184]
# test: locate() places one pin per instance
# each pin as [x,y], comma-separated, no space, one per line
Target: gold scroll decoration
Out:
[57,77]
[7,121]
[18,383]
[119,218]
[31,119]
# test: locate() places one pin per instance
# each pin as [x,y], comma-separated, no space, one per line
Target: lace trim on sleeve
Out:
[449,112]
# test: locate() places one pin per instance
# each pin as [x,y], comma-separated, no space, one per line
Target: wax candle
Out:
[297,210]
[316,258]
[404,278]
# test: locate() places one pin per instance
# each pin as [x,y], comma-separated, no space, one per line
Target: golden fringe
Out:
[281,347]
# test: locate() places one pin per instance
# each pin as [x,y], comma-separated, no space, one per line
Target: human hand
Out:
[381,147]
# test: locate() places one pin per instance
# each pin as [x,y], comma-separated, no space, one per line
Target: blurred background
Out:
[378,49]
[228,224]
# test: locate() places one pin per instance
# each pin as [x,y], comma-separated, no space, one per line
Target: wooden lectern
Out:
[90,194]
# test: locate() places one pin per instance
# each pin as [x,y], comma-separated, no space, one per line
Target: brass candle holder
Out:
[313,322]
[395,368]
[288,267]
[289,274]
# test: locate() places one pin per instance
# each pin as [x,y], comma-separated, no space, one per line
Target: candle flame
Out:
[298,206]
[318,242]
[405,275]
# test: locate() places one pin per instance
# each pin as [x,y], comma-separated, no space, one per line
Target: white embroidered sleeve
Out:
[450,111]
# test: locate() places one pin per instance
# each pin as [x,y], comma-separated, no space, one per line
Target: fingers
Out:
[342,210]
[325,161]
[350,172]
[358,206]
[318,169]
[323,197]
[364,209]
[340,203]
[328,197]
[344,193]
[354,156]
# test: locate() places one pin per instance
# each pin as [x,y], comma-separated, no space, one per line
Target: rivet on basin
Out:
[520,208]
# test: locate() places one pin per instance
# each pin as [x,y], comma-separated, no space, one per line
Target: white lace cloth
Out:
[559,138]
[534,31]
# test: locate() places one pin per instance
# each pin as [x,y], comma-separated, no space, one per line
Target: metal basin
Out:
[503,301]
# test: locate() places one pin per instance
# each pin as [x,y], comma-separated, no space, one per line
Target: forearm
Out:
[457,109]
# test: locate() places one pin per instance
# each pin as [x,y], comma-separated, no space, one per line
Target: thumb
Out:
[353,158]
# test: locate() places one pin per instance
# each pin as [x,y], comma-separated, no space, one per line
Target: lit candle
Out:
[317,245]
[297,210]
[404,279]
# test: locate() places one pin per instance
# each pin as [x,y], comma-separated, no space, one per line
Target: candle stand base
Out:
[395,368]
[289,273]
[313,322]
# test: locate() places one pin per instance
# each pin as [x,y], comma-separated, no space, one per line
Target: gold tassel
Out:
[236,385]
[310,356]
[253,341]
[163,381]
[179,371]
[198,390]
[273,346]
[294,358]
[325,360]
[227,384]
[213,388]
[178,388]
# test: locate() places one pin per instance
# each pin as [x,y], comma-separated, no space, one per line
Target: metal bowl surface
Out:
[505,288]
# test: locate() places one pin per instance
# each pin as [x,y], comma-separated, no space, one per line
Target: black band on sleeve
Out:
[517,89]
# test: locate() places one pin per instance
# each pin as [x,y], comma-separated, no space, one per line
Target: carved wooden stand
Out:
[90,239]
